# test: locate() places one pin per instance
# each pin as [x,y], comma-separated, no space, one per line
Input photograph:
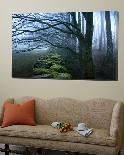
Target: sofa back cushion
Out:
[95,113]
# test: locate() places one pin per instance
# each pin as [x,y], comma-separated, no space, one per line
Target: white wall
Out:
[10,87]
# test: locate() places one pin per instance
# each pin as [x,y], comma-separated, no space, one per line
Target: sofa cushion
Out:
[11,100]
[19,114]
[45,132]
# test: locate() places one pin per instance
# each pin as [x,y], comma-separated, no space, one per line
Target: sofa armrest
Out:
[117,122]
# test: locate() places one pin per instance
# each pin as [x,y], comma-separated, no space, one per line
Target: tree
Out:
[116,15]
[87,54]
[109,54]
[102,32]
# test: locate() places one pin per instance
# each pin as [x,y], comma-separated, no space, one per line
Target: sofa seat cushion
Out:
[45,132]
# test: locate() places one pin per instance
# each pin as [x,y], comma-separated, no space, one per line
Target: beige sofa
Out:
[103,115]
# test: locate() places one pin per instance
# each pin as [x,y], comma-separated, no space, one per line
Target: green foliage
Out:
[38,71]
[53,74]
[71,60]
[63,76]
[51,66]
[58,68]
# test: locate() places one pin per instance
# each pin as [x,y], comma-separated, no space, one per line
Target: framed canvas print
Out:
[65,45]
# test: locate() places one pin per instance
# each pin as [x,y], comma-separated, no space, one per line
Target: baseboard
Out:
[122,152]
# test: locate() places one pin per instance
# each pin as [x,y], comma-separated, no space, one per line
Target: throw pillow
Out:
[19,114]
[11,100]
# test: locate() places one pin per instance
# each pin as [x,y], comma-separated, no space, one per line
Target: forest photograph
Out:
[65,45]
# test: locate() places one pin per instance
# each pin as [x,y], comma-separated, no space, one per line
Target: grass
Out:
[22,63]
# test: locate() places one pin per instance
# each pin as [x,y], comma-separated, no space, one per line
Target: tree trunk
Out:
[79,20]
[102,32]
[83,24]
[74,22]
[117,27]
[68,19]
[109,54]
[88,64]
[79,26]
